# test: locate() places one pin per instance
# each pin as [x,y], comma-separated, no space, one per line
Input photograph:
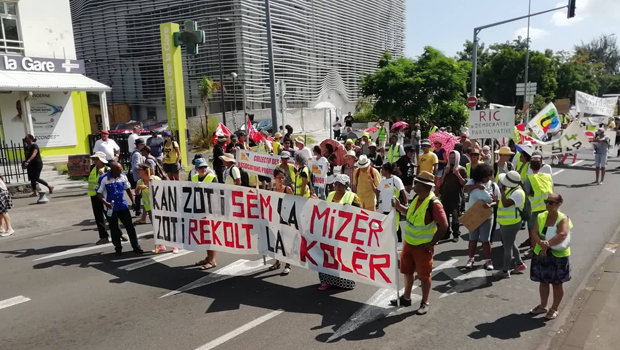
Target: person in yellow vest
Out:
[551,260]
[474,157]
[538,186]
[509,210]
[143,187]
[344,196]
[524,163]
[204,176]
[395,151]
[365,180]
[382,137]
[426,224]
[172,157]
[96,170]
[433,128]
[276,143]
[302,179]
[287,168]
[264,147]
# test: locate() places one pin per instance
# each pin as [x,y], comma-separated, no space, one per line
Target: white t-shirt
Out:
[131,142]
[306,152]
[386,188]
[401,137]
[231,175]
[517,198]
[490,188]
[108,147]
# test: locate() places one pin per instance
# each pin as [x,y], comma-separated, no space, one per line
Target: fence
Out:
[11,158]
[121,139]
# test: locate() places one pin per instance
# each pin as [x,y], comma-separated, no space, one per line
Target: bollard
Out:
[43,198]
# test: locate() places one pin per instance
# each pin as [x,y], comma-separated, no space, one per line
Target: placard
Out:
[79,165]
[589,104]
[319,170]
[491,123]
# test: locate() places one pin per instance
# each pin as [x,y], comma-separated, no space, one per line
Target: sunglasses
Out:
[551,202]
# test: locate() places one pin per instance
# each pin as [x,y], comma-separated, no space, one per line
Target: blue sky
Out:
[447,24]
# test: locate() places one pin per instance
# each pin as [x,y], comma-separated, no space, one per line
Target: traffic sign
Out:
[472,102]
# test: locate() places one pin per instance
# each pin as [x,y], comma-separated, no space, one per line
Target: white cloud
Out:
[587,9]
[535,33]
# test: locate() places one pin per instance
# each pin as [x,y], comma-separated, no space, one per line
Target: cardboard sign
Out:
[79,165]
[491,123]
[589,104]
[332,238]
[475,216]
[563,105]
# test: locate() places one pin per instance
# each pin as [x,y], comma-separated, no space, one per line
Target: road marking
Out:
[558,172]
[13,301]
[577,163]
[154,259]
[86,249]
[246,327]
[571,165]
[238,268]
[378,307]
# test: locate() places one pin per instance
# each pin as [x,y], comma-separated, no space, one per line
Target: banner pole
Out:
[397,261]
[257,189]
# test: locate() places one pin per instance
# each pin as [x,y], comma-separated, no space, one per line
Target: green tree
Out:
[603,50]
[573,76]
[207,87]
[432,86]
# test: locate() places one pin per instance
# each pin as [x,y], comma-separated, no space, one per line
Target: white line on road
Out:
[85,249]
[571,165]
[238,268]
[154,259]
[377,306]
[246,327]
[13,301]
[558,172]
[577,163]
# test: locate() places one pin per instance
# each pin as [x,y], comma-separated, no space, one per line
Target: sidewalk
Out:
[596,326]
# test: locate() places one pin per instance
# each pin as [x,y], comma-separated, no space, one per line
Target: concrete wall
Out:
[46,28]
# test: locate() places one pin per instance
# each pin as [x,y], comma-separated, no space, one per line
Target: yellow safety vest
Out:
[382,134]
[299,182]
[146,194]
[209,178]
[523,170]
[392,156]
[262,148]
[542,186]
[432,130]
[276,147]
[591,128]
[291,170]
[93,181]
[542,220]
[510,215]
[346,199]
[416,231]
[468,168]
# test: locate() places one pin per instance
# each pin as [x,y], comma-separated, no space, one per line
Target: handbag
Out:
[552,232]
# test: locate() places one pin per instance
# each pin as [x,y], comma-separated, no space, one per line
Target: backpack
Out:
[245,178]
[160,172]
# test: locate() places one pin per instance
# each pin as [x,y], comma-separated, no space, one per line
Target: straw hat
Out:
[227,157]
[425,142]
[511,179]
[504,151]
[372,144]
[425,178]
[101,156]
[300,139]
[277,136]
[351,153]
[363,162]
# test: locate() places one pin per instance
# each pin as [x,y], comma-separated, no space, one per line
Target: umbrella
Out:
[447,140]
[399,125]
[339,150]
[369,130]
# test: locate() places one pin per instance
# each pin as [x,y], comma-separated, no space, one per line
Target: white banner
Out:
[257,163]
[498,106]
[589,104]
[491,123]
[52,117]
[332,238]
[573,139]
[546,121]
[595,121]
[319,170]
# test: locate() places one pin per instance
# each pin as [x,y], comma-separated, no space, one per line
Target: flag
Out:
[252,133]
[221,130]
[546,121]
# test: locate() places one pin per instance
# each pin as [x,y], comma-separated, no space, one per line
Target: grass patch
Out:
[61,168]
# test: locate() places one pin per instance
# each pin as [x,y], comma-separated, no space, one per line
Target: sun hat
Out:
[201,163]
[101,156]
[537,155]
[265,132]
[241,133]
[365,134]
[277,136]
[363,162]
[372,144]
[425,142]
[285,155]
[300,139]
[504,151]
[342,179]
[349,141]
[351,153]
[511,179]
[233,137]
[426,178]
[486,148]
[222,138]
[227,157]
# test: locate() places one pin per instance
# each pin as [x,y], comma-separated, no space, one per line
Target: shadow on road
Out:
[508,327]
[24,253]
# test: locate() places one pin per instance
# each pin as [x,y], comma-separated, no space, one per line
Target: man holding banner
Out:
[426,225]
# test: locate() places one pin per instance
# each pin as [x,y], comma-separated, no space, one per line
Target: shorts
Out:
[416,148]
[482,233]
[439,173]
[600,160]
[381,144]
[172,168]
[264,178]
[533,220]
[418,259]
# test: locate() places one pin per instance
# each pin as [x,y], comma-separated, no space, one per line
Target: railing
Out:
[11,158]
[121,139]
[12,46]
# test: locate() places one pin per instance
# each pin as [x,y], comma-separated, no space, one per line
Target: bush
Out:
[365,116]
[201,138]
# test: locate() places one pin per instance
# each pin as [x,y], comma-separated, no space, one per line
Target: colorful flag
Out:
[546,121]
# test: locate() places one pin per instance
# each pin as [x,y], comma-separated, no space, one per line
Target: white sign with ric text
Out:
[491,123]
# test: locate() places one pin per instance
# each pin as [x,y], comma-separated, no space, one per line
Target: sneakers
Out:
[124,238]
[102,241]
[403,302]
[502,274]
[8,233]
[118,252]
[489,265]
[424,307]
[520,268]
[138,250]
[175,250]
[455,239]
[470,263]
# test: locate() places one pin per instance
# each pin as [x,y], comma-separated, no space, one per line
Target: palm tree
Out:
[207,88]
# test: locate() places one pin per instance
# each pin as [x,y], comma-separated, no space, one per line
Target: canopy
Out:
[33,81]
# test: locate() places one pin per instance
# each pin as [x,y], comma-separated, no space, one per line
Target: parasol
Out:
[399,125]
[339,150]
[447,140]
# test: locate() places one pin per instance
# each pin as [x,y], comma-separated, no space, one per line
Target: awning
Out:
[34,81]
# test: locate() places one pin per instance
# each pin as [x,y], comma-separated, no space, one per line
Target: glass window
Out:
[11,8]
[9,31]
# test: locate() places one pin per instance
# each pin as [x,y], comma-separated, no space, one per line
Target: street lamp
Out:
[219,49]
[233,75]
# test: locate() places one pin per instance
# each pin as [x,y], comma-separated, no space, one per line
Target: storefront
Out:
[47,98]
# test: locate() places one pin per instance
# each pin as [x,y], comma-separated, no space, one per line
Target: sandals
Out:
[287,270]
[324,286]
[208,265]
[275,266]
[539,310]
[551,315]
[201,262]
[138,222]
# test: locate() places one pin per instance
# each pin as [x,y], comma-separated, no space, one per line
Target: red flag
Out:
[221,130]
[253,134]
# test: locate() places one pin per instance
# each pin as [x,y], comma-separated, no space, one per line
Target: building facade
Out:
[322,48]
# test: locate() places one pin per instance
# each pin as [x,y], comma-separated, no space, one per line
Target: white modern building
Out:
[322,49]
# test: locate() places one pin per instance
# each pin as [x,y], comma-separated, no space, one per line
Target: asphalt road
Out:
[59,291]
